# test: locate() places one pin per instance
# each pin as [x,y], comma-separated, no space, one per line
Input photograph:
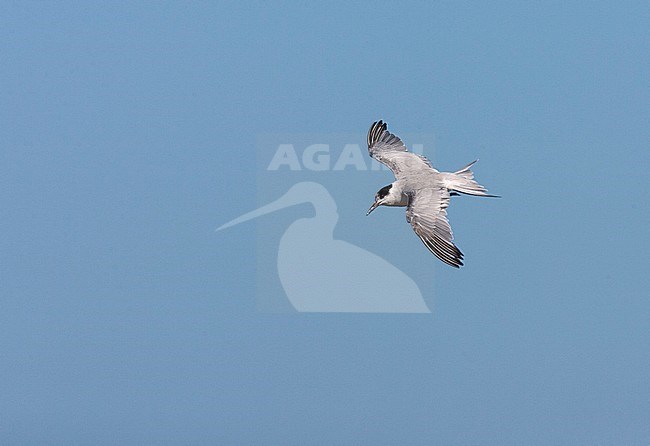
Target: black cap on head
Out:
[384,191]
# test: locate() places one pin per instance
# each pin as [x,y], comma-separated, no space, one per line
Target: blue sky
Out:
[129,133]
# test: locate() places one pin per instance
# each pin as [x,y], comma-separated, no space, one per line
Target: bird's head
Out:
[381,197]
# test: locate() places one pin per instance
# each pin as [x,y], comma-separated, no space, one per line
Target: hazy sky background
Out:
[128,134]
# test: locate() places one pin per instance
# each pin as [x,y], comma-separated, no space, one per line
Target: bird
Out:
[423,190]
[320,273]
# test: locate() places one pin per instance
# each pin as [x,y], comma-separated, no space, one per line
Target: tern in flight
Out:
[423,190]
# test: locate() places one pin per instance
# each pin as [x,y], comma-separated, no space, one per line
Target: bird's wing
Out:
[388,149]
[427,214]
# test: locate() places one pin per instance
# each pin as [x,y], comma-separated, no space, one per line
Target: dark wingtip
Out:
[376,129]
[457,263]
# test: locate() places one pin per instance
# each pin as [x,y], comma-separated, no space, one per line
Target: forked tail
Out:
[463,181]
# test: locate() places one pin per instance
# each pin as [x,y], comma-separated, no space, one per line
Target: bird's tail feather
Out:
[463,181]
